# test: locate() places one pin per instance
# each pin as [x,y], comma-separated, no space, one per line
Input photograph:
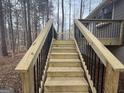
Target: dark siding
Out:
[119,9]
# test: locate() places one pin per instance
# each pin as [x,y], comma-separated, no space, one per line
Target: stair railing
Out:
[109,32]
[102,67]
[32,65]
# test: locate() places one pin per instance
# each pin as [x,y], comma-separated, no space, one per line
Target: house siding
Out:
[119,9]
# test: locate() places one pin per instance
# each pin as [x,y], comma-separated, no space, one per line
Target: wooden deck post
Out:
[122,32]
[27,82]
[111,80]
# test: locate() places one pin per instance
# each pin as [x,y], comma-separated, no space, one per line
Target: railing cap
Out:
[110,20]
[31,55]
[106,56]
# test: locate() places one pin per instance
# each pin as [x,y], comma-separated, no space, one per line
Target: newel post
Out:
[122,32]
[111,80]
[27,82]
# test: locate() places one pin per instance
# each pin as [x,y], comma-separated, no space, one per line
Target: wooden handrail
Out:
[104,54]
[36,56]
[112,65]
[31,56]
[110,20]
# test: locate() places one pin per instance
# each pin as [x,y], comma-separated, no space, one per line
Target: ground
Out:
[9,78]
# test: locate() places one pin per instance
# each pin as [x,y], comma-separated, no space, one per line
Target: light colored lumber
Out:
[111,80]
[63,45]
[85,70]
[66,92]
[104,54]
[110,41]
[64,63]
[66,84]
[64,50]
[64,55]
[64,60]
[65,71]
[31,55]
[63,42]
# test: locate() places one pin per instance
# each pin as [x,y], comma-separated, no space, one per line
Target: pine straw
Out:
[9,78]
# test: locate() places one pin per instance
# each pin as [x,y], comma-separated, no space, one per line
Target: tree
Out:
[11,28]
[82,6]
[35,20]
[47,10]
[24,13]
[58,18]
[62,17]
[29,38]
[90,6]
[69,17]
[2,32]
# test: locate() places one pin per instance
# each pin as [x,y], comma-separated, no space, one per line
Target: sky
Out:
[75,10]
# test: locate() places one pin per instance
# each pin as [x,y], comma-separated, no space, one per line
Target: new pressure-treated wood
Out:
[65,74]
[104,54]
[30,57]
[110,41]
[64,63]
[25,66]
[113,66]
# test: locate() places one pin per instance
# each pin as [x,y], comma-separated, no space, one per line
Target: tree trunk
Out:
[69,18]
[74,11]
[82,6]
[2,32]
[25,22]
[81,9]
[35,25]
[62,18]
[17,30]
[58,18]
[11,29]
[29,38]
[35,20]
[89,6]
[47,10]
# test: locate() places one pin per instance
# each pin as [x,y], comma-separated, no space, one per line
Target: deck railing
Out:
[103,68]
[109,32]
[32,65]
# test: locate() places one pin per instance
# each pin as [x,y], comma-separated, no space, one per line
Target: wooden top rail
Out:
[31,56]
[104,54]
[108,20]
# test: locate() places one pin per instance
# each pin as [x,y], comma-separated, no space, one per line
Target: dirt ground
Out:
[9,78]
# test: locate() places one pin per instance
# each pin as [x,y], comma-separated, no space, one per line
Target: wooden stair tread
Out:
[64,48]
[65,92]
[63,41]
[63,81]
[65,69]
[64,60]
[53,53]
[64,73]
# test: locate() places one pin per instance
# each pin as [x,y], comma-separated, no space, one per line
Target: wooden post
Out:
[27,82]
[111,80]
[122,32]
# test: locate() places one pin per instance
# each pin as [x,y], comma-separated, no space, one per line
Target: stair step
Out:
[65,71]
[65,92]
[64,55]
[63,45]
[66,84]
[64,49]
[64,63]
[63,42]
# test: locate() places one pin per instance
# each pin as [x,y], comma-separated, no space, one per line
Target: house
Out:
[108,9]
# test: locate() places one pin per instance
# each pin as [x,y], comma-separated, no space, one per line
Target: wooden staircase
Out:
[64,73]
